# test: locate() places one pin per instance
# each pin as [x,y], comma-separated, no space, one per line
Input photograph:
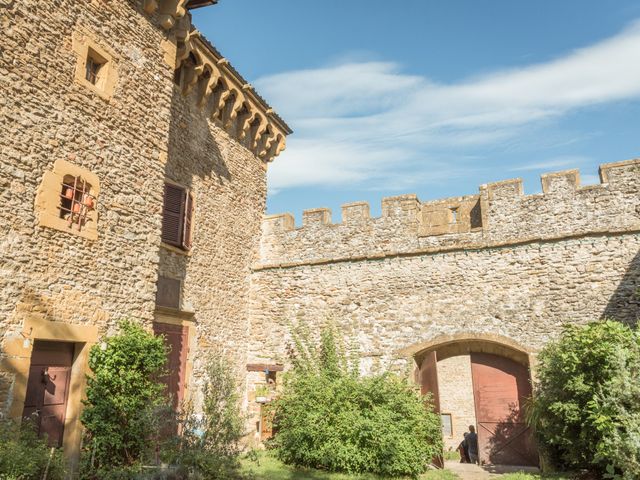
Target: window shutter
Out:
[172,214]
[188,216]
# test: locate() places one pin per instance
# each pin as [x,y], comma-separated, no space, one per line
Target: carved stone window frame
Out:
[87,47]
[48,200]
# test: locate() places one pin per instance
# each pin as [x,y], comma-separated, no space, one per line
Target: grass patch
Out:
[534,476]
[269,468]
[452,455]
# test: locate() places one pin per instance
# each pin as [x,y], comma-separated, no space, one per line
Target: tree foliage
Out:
[586,408]
[126,402]
[24,456]
[330,417]
[209,444]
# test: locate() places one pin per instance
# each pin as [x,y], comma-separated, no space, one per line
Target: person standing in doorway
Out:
[463,449]
[472,444]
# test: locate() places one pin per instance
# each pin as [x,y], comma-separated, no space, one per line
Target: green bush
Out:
[24,456]
[209,444]
[329,417]
[126,405]
[586,408]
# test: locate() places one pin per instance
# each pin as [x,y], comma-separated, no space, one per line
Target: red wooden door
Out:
[48,388]
[429,384]
[176,338]
[501,386]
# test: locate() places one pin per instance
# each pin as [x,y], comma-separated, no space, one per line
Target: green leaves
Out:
[24,456]
[329,417]
[586,404]
[125,401]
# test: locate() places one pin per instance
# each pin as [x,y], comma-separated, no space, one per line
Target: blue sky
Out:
[434,98]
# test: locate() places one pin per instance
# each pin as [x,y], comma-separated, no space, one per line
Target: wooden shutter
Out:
[187,227]
[173,214]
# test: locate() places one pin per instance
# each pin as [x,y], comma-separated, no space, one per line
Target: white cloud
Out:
[566,161]
[368,123]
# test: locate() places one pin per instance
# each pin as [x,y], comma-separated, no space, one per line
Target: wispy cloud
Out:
[567,161]
[368,123]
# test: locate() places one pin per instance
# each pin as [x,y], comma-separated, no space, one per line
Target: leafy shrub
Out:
[126,403]
[209,445]
[331,418]
[586,408]
[24,456]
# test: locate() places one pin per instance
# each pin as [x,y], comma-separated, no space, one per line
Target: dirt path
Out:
[469,471]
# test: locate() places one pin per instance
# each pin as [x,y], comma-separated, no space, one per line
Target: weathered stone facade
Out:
[517,268]
[162,106]
[497,273]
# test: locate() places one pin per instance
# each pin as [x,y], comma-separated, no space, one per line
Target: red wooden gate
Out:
[429,384]
[500,387]
[48,388]
[176,338]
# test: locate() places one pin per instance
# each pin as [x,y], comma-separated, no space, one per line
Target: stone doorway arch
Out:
[496,388]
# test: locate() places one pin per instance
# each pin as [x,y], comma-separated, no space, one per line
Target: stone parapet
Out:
[499,215]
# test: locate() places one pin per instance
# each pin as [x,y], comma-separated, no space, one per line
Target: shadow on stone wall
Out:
[6,382]
[624,304]
[192,152]
[193,149]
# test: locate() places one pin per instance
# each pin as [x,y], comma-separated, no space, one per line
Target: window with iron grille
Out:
[76,201]
[177,216]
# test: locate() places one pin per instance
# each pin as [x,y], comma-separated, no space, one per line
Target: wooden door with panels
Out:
[501,387]
[176,338]
[48,388]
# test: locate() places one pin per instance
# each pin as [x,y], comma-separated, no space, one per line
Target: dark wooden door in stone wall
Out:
[501,387]
[48,388]
[176,339]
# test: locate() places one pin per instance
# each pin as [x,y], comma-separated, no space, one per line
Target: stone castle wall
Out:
[140,131]
[505,264]
[46,116]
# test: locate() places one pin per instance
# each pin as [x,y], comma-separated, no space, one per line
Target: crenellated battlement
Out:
[500,214]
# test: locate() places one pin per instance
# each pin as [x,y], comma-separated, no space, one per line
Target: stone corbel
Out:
[262,128]
[170,11]
[219,108]
[211,84]
[272,148]
[246,124]
[191,77]
[235,109]
[185,36]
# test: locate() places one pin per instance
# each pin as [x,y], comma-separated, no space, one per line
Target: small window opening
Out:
[95,66]
[454,215]
[270,377]
[447,426]
[76,201]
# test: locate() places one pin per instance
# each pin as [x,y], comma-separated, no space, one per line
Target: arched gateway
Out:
[499,388]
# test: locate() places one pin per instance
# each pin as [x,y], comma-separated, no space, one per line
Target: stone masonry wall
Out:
[148,131]
[229,187]
[569,254]
[44,116]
